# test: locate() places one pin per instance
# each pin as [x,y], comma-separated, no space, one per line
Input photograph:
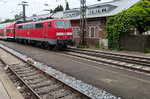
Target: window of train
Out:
[39,25]
[31,26]
[67,24]
[59,24]
[49,24]
[1,34]
[24,26]
[10,30]
[62,24]
[20,27]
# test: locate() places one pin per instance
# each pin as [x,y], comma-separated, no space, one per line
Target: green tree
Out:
[18,16]
[59,8]
[140,16]
[67,6]
[136,17]
[34,15]
[51,11]
[7,20]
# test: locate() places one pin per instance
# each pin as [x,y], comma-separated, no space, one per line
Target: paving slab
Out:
[3,92]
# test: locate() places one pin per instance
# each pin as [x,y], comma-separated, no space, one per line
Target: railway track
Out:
[138,63]
[34,82]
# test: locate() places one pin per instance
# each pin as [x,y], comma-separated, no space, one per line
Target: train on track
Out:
[48,33]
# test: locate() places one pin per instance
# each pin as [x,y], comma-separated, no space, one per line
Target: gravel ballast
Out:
[79,85]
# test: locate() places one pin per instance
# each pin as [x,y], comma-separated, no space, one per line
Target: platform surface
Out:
[3,92]
[7,88]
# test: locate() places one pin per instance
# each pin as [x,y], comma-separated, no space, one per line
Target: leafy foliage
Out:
[34,15]
[136,17]
[7,20]
[18,16]
[140,16]
[59,8]
[67,6]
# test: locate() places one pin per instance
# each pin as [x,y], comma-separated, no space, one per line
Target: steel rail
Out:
[98,54]
[50,76]
[27,86]
[115,64]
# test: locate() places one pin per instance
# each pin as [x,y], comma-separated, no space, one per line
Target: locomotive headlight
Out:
[58,38]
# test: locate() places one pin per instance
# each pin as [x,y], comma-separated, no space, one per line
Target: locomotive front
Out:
[63,30]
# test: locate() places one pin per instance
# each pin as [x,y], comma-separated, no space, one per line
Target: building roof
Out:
[117,7]
[120,6]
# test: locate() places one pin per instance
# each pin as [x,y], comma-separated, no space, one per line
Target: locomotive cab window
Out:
[49,24]
[67,24]
[59,24]
[62,24]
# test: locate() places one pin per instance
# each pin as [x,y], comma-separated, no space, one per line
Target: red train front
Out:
[55,32]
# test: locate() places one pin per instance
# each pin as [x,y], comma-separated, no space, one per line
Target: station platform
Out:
[7,88]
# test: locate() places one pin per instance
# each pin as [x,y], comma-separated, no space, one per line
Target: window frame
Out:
[39,25]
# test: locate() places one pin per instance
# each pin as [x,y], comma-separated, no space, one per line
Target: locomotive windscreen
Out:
[62,24]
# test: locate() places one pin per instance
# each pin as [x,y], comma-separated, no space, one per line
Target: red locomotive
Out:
[55,32]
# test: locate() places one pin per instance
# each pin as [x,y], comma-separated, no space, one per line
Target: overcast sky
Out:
[9,8]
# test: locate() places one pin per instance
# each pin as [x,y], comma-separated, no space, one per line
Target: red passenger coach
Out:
[10,31]
[53,32]
[3,30]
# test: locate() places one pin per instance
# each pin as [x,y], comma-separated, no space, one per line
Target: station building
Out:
[96,19]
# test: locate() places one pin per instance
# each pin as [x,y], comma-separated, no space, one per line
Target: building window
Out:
[92,32]
[74,31]
[87,31]
[77,31]
[104,9]
[96,31]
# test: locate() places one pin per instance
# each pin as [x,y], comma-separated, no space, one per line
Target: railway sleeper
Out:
[42,84]
[19,65]
[72,96]
[29,74]
[62,94]
[49,89]
[35,81]
[32,77]
[25,72]
[23,69]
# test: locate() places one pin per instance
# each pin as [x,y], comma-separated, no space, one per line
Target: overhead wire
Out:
[36,8]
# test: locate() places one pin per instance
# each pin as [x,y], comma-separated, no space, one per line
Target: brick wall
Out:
[135,42]
[95,30]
